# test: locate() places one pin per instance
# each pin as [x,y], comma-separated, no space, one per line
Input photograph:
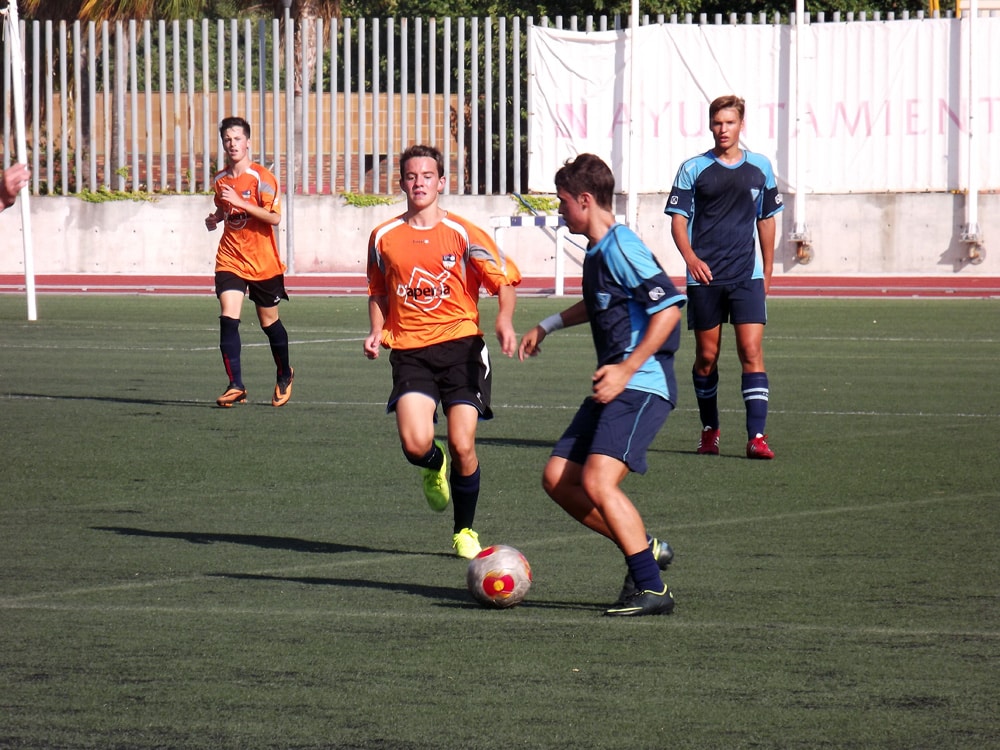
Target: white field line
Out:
[351,337]
[575,405]
[48,601]
[587,619]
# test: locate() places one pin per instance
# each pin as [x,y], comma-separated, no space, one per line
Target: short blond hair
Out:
[729,101]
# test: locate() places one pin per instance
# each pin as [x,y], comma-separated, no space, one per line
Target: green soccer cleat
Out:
[466,544]
[436,488]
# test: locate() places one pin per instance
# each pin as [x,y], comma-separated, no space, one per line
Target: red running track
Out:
[948,287]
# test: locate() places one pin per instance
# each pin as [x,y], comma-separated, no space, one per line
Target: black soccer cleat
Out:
[663,553]
[628,589]
[641,603]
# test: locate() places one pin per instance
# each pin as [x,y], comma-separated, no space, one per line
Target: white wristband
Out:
[552,323]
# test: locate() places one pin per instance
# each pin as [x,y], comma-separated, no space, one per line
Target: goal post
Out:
[12,32]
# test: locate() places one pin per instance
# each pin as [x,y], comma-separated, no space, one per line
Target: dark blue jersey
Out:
[723,203]
[623,285]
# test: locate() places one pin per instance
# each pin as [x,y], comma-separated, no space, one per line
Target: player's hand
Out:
[211,222]
[609,382]
[371,345]
[508,339]
[531,343]
[15,177]
[700,271]
[232,197]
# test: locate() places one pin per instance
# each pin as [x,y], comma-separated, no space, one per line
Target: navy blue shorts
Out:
[452,372]
[623,429]
[711,305]
[266,293]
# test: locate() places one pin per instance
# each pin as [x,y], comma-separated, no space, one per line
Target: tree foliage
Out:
[653,8]
[96,10]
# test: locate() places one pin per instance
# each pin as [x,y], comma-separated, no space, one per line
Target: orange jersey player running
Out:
[425,270]
[247,200]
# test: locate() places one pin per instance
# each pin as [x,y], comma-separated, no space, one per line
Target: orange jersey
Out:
[248,247]
[431,277]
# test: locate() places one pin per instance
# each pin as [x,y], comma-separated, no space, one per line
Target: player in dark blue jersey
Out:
[634,314]
[722,206]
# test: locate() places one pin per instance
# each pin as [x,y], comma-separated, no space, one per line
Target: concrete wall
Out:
[868,235]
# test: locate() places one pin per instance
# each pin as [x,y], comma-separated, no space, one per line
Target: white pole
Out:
[289,139]
[972,199]
[800,232]
[632,201]
[17,71]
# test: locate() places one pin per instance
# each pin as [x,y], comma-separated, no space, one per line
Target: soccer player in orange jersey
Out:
[247,200]
[425,270]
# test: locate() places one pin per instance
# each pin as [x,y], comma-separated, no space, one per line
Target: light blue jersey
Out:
[623,286]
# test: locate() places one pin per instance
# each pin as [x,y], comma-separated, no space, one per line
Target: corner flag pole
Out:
[13,33]
[632,202]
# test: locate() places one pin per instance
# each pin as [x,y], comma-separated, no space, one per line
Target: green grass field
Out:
[176,575]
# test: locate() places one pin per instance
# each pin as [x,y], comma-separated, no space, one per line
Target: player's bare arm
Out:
[698,268]
[532,340]
[610,380]
[766,232]
[377,306]
[506,335]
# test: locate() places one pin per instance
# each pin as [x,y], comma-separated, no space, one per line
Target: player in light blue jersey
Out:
[722,206]
[634,313]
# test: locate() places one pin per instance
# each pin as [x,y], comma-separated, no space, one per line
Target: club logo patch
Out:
[425,291]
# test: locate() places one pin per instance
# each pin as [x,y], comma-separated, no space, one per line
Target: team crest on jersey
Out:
[448,260]
[425,291]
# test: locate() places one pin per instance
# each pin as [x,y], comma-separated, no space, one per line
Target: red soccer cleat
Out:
[709,443]
[758,448]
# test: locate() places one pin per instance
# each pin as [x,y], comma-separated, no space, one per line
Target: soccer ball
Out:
[499,576]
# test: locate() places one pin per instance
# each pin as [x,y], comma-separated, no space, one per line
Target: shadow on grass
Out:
[514,442]
[263,541]
[547,445]
[111,399]
[445,596]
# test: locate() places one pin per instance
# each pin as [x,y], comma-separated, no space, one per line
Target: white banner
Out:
[885,105]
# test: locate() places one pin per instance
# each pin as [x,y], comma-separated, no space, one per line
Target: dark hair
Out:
[420,150]
[730,101]
[587,173]
[233,122]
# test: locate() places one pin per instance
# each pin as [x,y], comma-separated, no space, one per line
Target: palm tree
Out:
[305,13]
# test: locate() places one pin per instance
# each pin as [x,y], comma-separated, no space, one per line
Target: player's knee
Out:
[415,450]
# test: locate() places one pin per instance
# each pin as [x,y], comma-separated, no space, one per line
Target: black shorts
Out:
[266,293]
[623,429]
[711,305]
[453,372]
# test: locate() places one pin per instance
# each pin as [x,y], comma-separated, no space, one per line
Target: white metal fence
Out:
[135,105]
